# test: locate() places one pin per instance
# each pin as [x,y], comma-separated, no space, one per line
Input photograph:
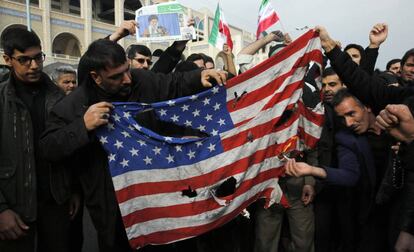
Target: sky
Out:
[347,21]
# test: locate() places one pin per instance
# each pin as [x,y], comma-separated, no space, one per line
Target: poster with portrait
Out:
[163,22]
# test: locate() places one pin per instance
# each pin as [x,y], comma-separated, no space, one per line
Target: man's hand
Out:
[287,39]
[308,193]
[398,121]
[327,43]
[274,36]
[227,50]
[378,35]
[74,204]
[97,115]
[405,242]
[11,226]
[297,169]
[127,27]
[208,74]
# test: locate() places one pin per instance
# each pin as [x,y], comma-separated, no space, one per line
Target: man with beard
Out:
[70,134]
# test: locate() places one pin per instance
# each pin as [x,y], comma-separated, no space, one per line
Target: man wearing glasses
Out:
[33,196]
[139,56]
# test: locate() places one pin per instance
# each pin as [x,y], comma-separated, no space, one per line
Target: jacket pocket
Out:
[8,180]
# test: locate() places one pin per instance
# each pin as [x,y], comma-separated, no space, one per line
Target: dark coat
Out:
[356,167]
[66,137]
[17,154]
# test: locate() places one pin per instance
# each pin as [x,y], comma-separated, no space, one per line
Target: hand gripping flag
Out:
[169,189]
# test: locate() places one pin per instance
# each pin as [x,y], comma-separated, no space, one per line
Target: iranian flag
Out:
[220,33]
[267,17]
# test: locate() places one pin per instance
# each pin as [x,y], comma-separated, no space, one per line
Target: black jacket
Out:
[67,138]
[17,154]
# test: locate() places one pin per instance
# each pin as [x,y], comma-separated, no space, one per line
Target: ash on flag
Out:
[267,17]
[168,188]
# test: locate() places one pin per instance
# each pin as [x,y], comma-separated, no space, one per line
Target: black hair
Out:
[341,95]
[406,56]
[328,72]
[195,56]
[20,39]
[206,58]
[140,49]
[360,49]
[157,52]
[101,54]
[185,66]
[392,62]
[151,17]
[274,49]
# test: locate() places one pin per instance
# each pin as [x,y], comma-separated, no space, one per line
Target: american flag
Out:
[168,188]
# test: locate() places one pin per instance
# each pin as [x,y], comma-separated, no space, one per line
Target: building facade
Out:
[67,27]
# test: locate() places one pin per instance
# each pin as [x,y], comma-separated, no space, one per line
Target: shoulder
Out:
[74,103]
[345,137]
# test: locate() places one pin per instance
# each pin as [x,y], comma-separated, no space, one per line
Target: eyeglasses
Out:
[27,61]
[142,61]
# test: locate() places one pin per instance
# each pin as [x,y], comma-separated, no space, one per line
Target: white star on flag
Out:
[111,157]
[191,154]
[163,112]
[103,140]
[170,158]
[157,150]
[211,147]
[124,162]
[196,113]
[134,152]
[127,115]
[148,160]
[119,144]
[125,134]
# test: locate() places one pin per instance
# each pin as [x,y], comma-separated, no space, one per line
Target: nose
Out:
[145,65]
[34,64]
[349,121]
[127,78]
[72,84]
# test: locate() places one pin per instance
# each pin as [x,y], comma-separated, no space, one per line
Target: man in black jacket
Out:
[70,132]
[372,92]
[34,199]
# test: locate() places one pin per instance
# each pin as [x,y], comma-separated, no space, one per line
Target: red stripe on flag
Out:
[275,59]
[198,207]
[182,233]
[241,165]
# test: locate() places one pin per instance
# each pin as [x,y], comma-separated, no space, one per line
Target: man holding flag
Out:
[70,131]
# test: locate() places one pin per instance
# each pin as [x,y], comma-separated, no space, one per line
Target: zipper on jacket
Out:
[14,125]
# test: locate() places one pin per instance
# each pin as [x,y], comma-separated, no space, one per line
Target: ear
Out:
[96,77]
[7,59]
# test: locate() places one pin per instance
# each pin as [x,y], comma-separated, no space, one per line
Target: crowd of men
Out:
[354,192]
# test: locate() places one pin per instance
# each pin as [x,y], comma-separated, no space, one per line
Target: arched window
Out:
[66,44]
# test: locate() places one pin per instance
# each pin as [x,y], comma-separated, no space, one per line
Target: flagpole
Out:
[29,23]
[282,26]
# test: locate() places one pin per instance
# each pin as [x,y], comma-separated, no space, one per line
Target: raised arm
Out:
[369,89]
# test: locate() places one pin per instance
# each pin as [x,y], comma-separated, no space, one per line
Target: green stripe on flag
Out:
[215,29]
